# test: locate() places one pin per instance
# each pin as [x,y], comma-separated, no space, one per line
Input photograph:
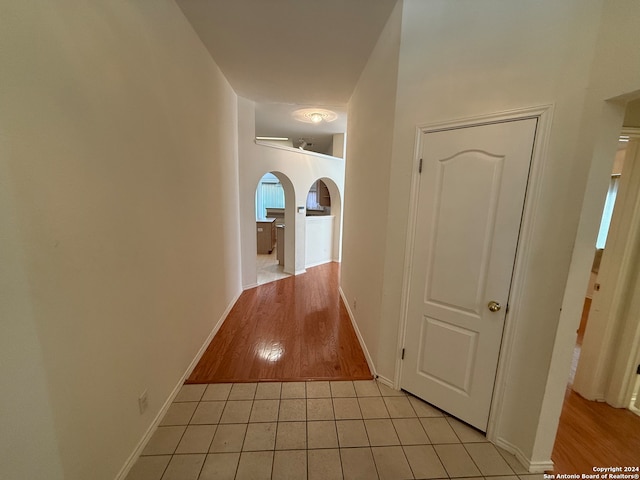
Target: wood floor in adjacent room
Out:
[593,434]
[292,329]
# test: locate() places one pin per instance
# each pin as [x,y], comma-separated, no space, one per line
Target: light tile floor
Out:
[268,269]
[315,430]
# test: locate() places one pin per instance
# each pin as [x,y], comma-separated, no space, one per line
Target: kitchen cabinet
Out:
[324,197]
[266,235]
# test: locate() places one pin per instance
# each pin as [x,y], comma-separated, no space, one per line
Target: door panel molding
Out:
[440,222]
[464,369]
[544,116]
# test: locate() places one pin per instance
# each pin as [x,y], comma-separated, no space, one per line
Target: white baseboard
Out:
[317,264]
[532,467]
[358,334]
[386,381]
[300,272]
[212,334]
[147,435]
[249,287]
[124,471]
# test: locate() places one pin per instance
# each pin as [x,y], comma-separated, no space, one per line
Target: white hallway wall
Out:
[319,234]
[462,59]
[118,146]
[370,134]
[614,80]
[301,168]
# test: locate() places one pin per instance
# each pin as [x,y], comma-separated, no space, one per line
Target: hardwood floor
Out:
[592,434]
[298,329]
[291,329]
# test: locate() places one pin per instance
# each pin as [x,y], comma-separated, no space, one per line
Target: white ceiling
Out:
[296,52]
[276,120]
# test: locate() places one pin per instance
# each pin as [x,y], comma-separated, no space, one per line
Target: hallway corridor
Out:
[242,414]
[292,329]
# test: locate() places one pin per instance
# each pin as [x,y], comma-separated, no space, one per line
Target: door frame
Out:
[544,115]
[607,370]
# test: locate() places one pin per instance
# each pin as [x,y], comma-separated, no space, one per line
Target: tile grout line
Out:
[441,462]
[433,445]
[465,448]
[273,454]
[214,433]
[183,434]
[235,473]
[375,465]
[306,423]
[307,448]
[478,467]
[335,428]
[400,441]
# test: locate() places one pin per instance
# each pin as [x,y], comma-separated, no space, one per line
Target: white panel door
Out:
[470,202]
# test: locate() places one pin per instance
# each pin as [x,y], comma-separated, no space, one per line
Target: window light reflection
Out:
[271,352]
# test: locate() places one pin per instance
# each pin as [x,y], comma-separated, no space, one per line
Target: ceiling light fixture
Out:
[314,115]
[623,138]
[281,139]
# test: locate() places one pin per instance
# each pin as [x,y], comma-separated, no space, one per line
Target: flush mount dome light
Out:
[314,115]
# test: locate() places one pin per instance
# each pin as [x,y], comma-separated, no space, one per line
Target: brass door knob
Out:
[494,306]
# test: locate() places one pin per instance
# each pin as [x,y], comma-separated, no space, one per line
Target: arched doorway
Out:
[323,227]
[274,201]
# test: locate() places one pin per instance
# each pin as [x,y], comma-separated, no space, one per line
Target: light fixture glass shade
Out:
[315,117]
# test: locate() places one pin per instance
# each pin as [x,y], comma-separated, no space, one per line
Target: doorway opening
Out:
[609,333]
[273,192]
[598,405]
[322,225]
[599,248]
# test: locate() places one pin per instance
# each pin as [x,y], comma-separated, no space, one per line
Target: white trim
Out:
[317,264]
[621,372]
[611,303]
[249,287]
[297,150]
[128,464]
[521,265]
[212,334]
[408,256]
[544,115]
[597,398]
[300,272]
[532,467]
[385,381]
[486,119]
[359,335]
